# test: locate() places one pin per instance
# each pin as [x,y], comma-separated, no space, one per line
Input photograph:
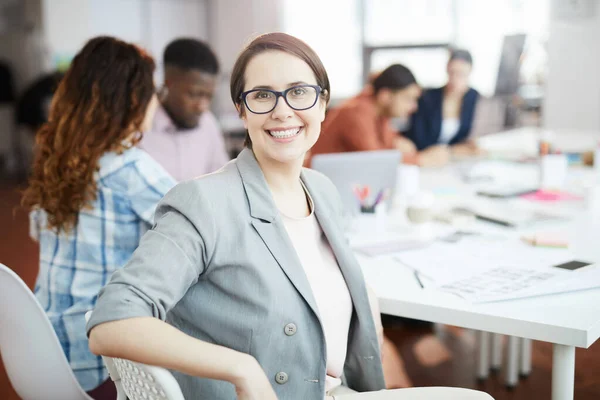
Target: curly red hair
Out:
[98,107]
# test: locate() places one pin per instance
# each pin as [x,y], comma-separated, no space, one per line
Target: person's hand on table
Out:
[434,156]
[468,148]
[405,145]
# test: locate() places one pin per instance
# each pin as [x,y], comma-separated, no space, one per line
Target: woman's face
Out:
[284,135]
[404,102]
[458,75]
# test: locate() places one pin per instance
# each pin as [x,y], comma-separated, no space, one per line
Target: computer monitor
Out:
[376,169]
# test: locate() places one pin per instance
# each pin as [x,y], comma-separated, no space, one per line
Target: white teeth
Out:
[285,134]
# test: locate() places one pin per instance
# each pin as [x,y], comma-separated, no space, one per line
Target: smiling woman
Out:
[279,130]
[305,63]
[251,261]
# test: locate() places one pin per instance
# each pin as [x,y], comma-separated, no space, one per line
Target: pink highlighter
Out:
[546,240]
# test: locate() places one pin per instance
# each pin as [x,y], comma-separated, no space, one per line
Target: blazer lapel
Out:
[268,224]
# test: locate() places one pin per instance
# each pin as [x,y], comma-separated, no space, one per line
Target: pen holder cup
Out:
[371,220]
[420,208]
[418,215]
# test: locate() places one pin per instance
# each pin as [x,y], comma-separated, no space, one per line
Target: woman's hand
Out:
[434,156]
[250,381]
[405,145]
[467,148]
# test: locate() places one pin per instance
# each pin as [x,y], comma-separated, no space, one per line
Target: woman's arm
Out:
[35,224]
[127,321]
[467,148]
[149,182]
[434,156]
[151,341]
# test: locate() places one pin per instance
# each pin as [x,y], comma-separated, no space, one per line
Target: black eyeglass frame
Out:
[283,94]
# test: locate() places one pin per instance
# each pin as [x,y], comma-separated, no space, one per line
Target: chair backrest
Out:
[136,381]
[146,382]
[33,357]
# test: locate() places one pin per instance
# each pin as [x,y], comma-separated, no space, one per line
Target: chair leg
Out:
[512,371]
[525,357]
[496,352]
[483,367]
[121,395]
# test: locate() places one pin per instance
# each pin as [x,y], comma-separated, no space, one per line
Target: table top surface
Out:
[570,318]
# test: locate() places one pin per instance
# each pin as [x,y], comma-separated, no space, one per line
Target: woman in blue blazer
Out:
[445,115]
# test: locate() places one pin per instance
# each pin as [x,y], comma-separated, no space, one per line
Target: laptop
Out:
[377,169]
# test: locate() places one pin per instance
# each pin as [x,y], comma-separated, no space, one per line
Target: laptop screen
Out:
[376,170]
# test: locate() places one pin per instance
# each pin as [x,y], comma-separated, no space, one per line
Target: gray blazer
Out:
[219,266]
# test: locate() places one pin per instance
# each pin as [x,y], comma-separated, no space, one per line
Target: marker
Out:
[545,243]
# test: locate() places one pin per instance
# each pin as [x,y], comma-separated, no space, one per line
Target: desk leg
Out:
[563,372]
[512,370]
[496,352]
[525,357]
[483,367]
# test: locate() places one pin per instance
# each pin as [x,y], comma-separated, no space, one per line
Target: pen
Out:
[494,220]
[416,273]
[379,197]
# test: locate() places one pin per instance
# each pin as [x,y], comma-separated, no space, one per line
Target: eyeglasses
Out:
[299,98]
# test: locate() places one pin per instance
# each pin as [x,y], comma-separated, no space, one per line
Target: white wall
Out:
[21,47]
[148,23]
[226,24]
[232,24]
[572,99]
[65,25]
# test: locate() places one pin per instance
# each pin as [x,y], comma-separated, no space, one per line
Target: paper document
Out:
[501,283]
[507,215]
[570,281]
[389,247]
[445,262]
[374,245]
[483,270]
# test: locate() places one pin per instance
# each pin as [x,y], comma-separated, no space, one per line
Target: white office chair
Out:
[136,381]
[33,358]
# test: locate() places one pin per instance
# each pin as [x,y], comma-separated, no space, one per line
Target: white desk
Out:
[567,320]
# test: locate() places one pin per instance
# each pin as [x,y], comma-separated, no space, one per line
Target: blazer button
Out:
[290,329]
[281,378]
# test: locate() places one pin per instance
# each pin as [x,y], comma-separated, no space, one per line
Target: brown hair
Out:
[276,41]
[99,104]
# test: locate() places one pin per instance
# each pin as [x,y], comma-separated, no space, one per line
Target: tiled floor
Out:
[443,357]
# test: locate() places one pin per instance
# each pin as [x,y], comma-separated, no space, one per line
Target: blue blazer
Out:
[426,123]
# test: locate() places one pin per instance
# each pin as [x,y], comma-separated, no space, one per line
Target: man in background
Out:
[185,137]
[363,123]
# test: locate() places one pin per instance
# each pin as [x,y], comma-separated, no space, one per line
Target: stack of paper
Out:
[507,269]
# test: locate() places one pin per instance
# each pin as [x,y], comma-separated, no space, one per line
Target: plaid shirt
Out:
[74,266]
